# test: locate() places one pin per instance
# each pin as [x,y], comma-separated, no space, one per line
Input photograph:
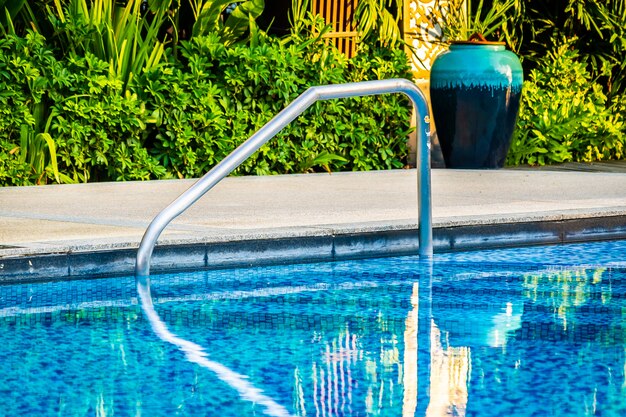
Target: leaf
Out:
[53,153]
[322,159]
[9,9]
[238,22]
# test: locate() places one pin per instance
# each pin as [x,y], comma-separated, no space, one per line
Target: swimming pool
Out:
[518,332]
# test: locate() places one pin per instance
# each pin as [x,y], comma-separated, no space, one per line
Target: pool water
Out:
[518,332]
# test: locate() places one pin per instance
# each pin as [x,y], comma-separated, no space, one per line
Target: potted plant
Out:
[475,86]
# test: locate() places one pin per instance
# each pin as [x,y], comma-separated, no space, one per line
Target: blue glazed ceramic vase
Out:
[475,90]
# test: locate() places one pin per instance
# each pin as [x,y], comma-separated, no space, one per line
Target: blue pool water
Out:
[517,332]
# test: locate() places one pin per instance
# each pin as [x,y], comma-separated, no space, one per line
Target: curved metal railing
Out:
[282,119]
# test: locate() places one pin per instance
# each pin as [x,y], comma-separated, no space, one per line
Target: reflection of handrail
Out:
[282,119]
[195,353]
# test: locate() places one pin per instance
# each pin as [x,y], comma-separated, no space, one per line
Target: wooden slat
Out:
[342,17]
[352,4]
[328,10]
[338,14]
[342,26]
[340,35]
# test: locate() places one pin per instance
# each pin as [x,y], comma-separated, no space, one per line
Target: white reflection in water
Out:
[196,354]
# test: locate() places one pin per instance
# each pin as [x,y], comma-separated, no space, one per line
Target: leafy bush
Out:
[599,28]
[232,22]
[25,64]
[121,34]
[221,95]
[97,126]
[66,120]
[564,115]
[69,115]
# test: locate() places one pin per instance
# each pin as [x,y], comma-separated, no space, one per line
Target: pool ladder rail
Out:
[282,119]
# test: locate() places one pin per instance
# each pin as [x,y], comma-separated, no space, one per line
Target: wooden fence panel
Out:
[339,14]
[415,25]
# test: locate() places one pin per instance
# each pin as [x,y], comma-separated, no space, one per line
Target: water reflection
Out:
[355,373]
[197,354]
[423,340]
[440,344]
[549,342]
[504,343]
[449,378]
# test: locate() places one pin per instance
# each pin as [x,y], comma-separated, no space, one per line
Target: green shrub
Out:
[71,119]
[25,64]
[221,95]
[596,28]
[385,120]
[97,126]
[66,121]
[564,115]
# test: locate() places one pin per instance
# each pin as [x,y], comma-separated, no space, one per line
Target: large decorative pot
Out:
[475,89]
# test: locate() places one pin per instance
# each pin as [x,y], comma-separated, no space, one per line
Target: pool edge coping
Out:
[320,245]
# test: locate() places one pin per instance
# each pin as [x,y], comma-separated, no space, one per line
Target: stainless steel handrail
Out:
[282,119]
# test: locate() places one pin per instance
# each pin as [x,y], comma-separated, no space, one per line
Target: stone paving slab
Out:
[63,220]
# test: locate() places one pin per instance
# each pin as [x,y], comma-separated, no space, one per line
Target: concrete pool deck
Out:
[94,229]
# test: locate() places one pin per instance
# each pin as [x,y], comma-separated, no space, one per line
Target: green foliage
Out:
[564,115]
[66,121]
[222,95]
[90,102]
[460,19]
[25,151]
[211,17]
[118,34]
[598,26]
[97,126]
[378,21]
[9,9]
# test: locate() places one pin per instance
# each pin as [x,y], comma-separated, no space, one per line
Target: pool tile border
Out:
[331,247]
